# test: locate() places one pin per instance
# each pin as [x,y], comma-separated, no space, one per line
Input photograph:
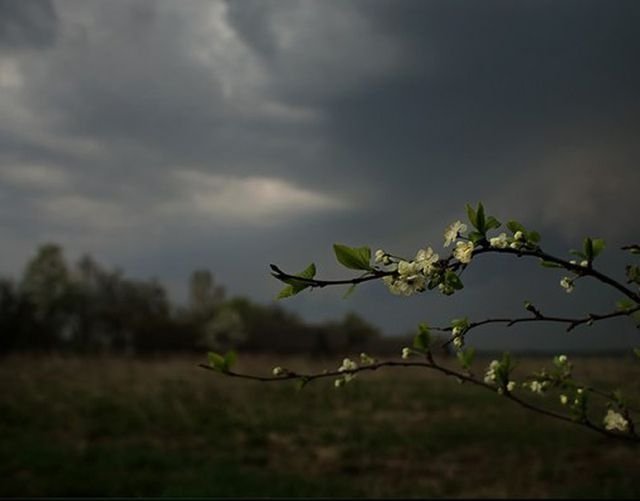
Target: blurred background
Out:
[156,156]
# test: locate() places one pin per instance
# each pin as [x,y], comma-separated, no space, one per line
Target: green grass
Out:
[116,427]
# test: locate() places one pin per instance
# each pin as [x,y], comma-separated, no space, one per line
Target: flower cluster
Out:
[347,366]
[499,242]
[567,284]
[615,421]
[411,276]
[453,231]
[366,359]
[279,371]
[536,386]
[493,376]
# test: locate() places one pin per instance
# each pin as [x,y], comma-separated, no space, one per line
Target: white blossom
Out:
[391,282]
[536,387]
[406,352]
[366,359]
[491,376]
[499,242]
[452,231]
[380,254]
[278,371]
[615,421]
[563,359]
[409,280]
[511,385]
[425,259]
[458,341]
[463,251]
[518,235]
[584,263]
[567,284]
[347,365]
[564,399]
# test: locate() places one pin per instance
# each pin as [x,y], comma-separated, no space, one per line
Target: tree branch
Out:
[429,364]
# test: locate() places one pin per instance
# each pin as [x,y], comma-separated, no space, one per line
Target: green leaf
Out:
[465,357]
[349,291]
[578,254]
[549,264]
[481,219]
[598,245]
[422,339]
[296,286]
[492,223]
[533,237]
[355,258]
[216,361]
[472,216]
[452,279]
[588,249]
[515,226]
[301,383]
[624,304]
[475,236]
[230,359]
[633,273]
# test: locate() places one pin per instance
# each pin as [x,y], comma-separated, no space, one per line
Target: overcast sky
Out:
[164,136]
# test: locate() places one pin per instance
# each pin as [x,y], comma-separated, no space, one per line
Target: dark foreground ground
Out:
[117,427]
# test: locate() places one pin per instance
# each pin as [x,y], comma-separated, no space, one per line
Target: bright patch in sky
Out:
[254,199]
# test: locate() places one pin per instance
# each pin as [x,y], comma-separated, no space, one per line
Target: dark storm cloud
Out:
[27,24]
[169,135]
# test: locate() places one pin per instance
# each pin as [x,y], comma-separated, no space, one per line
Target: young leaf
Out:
[475,236]
[472,216]
[624,304]
[216,361]
[452,279]
[350,291]
[230,359]
[515,226]
[533,237]
[296,286]
[422,339]
[480,219]
[588,249]
[578,254]
[355,258]
[465,357]
[633,273]
[492,223]
[549,264]
[598,246]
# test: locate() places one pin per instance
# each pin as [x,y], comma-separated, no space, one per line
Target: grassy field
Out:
[117,427]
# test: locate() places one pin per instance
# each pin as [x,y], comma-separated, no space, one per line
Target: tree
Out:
[606,412]
[46,285]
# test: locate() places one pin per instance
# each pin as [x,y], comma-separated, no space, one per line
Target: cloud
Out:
[32,176]
[85,214]
[27,24]
[253,200]
[579,188]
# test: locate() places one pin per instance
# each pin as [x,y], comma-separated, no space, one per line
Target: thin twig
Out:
[429,364]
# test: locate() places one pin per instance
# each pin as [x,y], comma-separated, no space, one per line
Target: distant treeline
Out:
[86,308]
